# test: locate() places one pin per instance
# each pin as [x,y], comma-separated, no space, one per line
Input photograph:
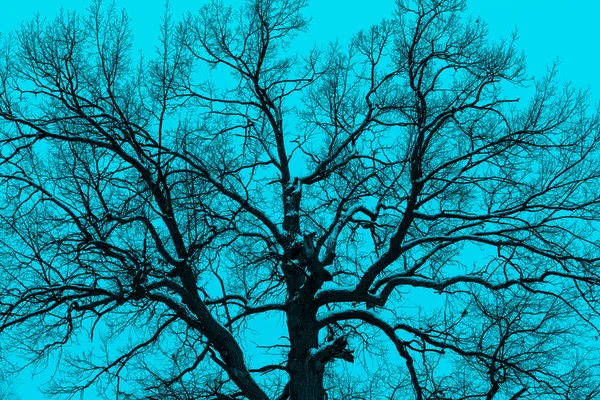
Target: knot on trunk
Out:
[305,251]
[332,350]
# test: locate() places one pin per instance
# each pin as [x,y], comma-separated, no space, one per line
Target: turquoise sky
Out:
[548,30]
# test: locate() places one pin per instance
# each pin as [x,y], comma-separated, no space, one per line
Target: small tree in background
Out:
[391,205]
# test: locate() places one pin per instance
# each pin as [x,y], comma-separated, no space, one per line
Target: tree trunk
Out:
[306,377]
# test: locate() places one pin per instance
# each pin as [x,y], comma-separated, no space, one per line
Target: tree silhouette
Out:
[231,220]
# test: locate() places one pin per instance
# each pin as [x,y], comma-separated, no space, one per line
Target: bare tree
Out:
[231,220]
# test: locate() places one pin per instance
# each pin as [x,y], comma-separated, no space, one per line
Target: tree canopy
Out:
[411,216]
